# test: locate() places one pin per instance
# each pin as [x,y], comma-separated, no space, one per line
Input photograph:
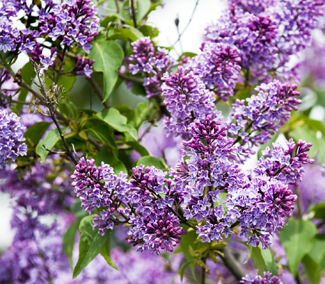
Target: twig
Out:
[179,37]
[10,100]
[133,14]
[98,91]
[147,130]
[203,273]
[132,79]
[232,264]
[117,6]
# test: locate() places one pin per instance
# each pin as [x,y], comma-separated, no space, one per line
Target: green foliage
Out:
[297,239]
[106,252]
[151,161]
[69,239]
[27,74]
[108,56]
[90,245]
[117,121]
[107,157]
[35,132]
[263,260]
[52,137]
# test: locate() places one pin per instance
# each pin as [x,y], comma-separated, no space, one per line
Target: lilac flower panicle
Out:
[11,136]
[217,66]
[153,64]
[255,119]
[187,99]
[268,279]
[100,187]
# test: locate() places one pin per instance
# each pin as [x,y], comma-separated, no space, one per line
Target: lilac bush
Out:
[87,171]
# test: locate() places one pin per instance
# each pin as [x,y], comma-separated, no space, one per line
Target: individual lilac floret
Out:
[259,280]
[11,136]
[153,226]
[100,187]
[217,66]
[153,64]
[264,113]
[285,162]
[187,99]
[84,67]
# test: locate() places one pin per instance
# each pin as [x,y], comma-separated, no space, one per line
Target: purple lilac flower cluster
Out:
[285,163]
[217,66]
[264,113]
[264,49]
[153,225]
[11,136]
[74,23]
[187,99]
[100,187]
[153,64]
[151,219]
[268,279]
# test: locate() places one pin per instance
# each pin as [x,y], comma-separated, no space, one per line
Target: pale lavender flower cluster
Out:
[100,187]
[187,99]
[268,279]
[153,64]
[74,23]
[285,163]
[264,113]
[11,136]
[217,66]
[267,33]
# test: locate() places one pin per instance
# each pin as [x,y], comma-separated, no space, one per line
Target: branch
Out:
[232,264]
[179,37]
[98,91]
[10,100]
[132,79]
[133,14]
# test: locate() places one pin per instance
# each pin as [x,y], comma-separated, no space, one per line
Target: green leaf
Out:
[151,161]
[187,246]
[182,270]
[27,74]
[186,54]
[297,239]
[90,245]
[312,270]
[124,34]
[108,158]
[117,121]
[263,260]
[319,211]
[141,113]
[77,210]
[106,252]
[68,109]
[317,252]
[108,19]
[69,238]
[150,31]
[138,147]
[102,133]
[143,9]
[35,132]
[108,56]
[52,137]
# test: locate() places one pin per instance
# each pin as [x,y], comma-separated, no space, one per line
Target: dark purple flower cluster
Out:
[11,136]
[217,66]
[84,67]
[154,225]
[285,163]
[139,203]
[259,280]
[187,99]
[267,33]
[153,64]
[264,113]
